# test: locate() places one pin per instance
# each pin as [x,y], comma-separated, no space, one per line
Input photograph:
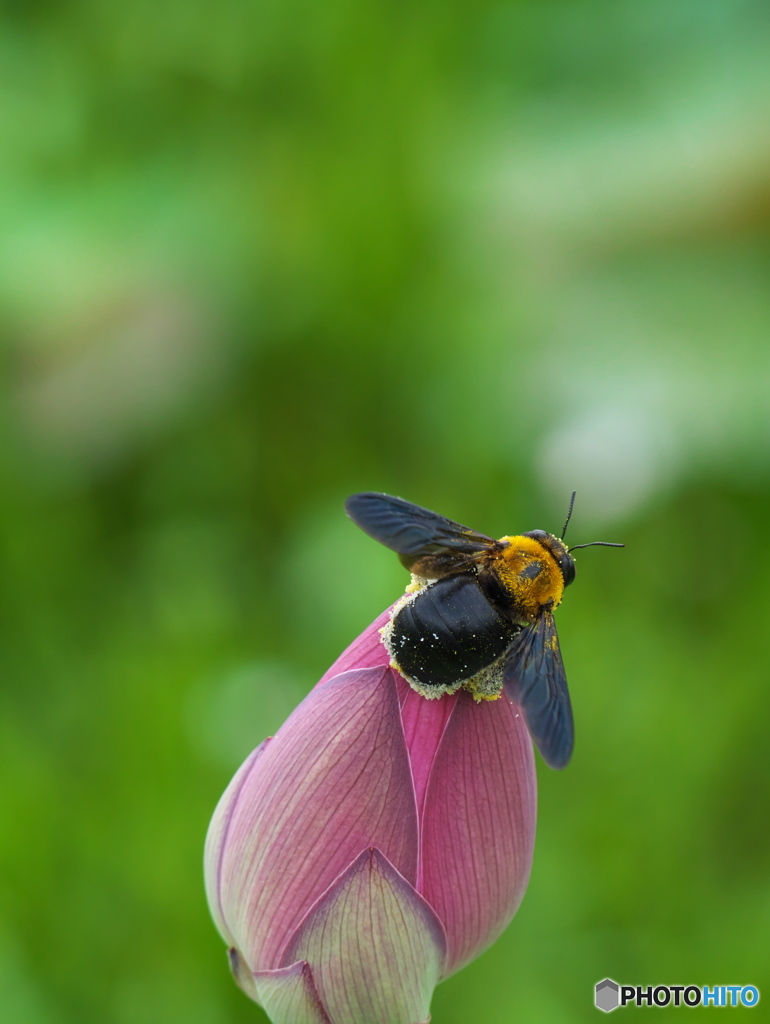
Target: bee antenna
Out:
[569,514]
[596,544]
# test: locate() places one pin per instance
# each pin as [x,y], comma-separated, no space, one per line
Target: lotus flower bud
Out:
[376,844]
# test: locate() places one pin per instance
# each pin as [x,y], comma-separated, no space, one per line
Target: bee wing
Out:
[534,678]
[429,544]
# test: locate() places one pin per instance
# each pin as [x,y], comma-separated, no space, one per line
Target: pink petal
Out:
[424,720]
[424,724]
[366,651]
[217,836]
[478,826]
[376,947]
[334,780]
[289,995]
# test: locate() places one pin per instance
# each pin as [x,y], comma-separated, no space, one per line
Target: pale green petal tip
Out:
[377,948]
[289,995]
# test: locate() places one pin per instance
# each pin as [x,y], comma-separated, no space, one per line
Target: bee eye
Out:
[567,566]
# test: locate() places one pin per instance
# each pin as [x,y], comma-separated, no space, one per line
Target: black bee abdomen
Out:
[449,631]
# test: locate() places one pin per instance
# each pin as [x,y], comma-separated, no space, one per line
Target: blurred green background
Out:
[259,255]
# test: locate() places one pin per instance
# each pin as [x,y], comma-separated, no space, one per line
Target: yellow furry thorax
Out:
[530,593]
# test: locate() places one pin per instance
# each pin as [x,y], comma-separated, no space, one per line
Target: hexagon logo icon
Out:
[607,995]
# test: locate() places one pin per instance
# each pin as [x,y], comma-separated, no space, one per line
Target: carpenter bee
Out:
[480,604]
